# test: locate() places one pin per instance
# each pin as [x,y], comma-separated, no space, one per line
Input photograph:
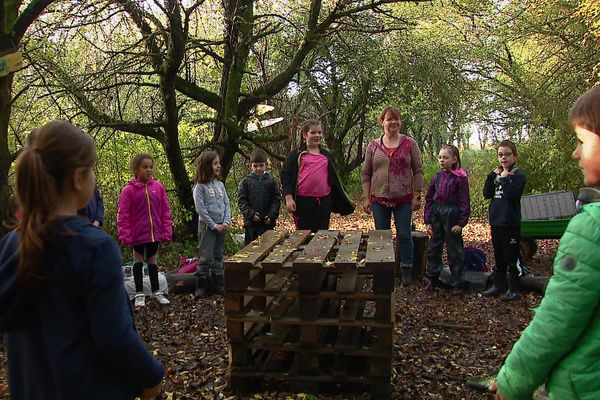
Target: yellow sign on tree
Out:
[10,62]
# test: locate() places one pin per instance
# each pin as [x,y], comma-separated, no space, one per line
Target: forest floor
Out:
[440,339]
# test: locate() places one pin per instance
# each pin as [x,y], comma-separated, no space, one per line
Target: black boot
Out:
[494,291]
[201,286]
[513,284]
[499,285]
[217,284]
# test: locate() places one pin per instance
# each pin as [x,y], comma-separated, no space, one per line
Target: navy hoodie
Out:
[72,335]
[505,207]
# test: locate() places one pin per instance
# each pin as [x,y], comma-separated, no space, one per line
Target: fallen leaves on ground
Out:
[440,339]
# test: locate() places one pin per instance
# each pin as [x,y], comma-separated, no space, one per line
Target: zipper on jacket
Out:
[149,212]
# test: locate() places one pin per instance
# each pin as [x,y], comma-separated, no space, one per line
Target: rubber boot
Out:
[217,284]
[513,284]
[499,286]
[201,286]
[406,273]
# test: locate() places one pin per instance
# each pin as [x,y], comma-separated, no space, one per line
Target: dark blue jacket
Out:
[259,194]
[72,335]
[505,207]
[94,209]
[449,187]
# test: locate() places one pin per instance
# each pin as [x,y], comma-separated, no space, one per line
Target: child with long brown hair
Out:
[310,184]
[144,221]
[214,218]
[69,326]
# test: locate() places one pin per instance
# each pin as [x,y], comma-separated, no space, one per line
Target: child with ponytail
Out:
[69,328]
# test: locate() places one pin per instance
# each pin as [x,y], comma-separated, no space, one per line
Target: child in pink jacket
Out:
[144,221]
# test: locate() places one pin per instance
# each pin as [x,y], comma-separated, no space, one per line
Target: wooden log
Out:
[534,283]
[181,283]
[420,242]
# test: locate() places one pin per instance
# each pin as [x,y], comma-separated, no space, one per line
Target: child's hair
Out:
[258,156]
[454,151]
[510,144]
[136,161]
[204,168]
[586,111]
[43,172]
[305,128]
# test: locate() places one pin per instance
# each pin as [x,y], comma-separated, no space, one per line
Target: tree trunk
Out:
[5,155]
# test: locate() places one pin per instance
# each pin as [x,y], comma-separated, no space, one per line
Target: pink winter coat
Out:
[144,214]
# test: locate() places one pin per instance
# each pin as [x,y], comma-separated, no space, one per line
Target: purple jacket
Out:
[449,187]
[144,214]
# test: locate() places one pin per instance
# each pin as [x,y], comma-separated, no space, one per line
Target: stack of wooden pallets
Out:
[312,311]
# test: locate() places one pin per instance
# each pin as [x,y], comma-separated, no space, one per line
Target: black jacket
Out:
[341,203]
[505,207]
[259,194]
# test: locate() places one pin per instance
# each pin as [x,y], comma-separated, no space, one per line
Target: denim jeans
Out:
[402,220]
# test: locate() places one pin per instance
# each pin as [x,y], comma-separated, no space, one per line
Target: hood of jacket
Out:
[459,172]
[135,182]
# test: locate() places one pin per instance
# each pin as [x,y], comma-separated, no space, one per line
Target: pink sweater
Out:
[394,177]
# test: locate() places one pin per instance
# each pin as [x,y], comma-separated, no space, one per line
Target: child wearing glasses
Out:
[504,186]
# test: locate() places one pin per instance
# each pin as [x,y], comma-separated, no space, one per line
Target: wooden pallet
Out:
[312,310]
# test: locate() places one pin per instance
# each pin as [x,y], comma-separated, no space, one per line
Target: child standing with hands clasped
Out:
[214,217]
[69,327]
[259,198]
[560,346]
[447,210]
[144,221]
[505,186]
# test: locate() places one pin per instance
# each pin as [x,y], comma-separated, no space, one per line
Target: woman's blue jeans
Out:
[402,220]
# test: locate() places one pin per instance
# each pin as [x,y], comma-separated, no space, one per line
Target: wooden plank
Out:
[352,307]
[278,281]
[255,251]
[280,254]
[381,259]
[347,283]
[317,250]
[347,255]
[310,261]
[286,320]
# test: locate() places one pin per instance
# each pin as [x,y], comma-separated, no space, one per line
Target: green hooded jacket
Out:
[561,345]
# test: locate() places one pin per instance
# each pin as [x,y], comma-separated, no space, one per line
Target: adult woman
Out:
[310,184]
[392,181]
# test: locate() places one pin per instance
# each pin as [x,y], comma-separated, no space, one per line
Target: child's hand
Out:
[367,205]
[290,205]
[493,388]
[498,171]
[506,173]
[256,217]
[429,229]
[456,229]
